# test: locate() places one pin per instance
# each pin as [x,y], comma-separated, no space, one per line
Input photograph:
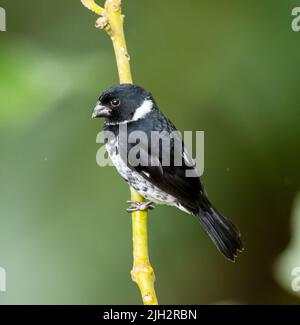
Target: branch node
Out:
[102,22]
[145,269]
[114,4]
[148,298]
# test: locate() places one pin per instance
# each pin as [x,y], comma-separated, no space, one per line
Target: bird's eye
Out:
[115,102]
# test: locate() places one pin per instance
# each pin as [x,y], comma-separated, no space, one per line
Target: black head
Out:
[123,103]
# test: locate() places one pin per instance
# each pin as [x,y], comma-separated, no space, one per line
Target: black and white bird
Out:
[131,106]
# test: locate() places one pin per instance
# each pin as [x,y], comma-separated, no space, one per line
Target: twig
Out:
[91,5]
[142,272]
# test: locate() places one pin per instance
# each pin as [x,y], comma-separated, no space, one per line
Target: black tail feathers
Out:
[223,232]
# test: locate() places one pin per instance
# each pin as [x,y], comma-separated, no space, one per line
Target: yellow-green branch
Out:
[142,272]
[91,5]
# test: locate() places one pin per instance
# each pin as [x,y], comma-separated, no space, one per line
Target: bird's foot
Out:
[139,206]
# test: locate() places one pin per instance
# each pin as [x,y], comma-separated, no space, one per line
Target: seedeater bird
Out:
[134,107]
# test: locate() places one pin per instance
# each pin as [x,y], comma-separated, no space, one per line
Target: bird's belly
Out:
[138,182]
[154,194]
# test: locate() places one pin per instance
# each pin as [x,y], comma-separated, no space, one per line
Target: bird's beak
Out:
[101,111]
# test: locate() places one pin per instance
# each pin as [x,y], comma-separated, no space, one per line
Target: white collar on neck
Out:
[140,112]
[143,110]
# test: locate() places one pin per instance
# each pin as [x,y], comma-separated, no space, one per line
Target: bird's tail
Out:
[223,232]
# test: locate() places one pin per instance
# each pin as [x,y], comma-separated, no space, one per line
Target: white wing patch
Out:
[146,174]
[188,159]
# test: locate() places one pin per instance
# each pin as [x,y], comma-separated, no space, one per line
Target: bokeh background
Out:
[230,69]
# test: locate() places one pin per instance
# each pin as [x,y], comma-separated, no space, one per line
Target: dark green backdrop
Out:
[229,68]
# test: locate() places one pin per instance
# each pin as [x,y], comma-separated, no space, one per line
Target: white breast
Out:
[138,182]
[113,152]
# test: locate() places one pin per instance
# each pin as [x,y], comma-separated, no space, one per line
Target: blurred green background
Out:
[230,69]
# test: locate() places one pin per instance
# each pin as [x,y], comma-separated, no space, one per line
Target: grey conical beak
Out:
[101,111]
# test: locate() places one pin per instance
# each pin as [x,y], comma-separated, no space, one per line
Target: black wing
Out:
[167,175]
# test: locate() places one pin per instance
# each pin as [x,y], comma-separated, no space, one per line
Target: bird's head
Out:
[123,103]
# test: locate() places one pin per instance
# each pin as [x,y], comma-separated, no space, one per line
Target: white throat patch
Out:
[143,110]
